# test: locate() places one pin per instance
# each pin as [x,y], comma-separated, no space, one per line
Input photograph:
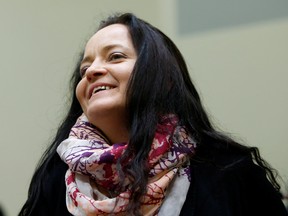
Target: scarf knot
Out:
[93,166]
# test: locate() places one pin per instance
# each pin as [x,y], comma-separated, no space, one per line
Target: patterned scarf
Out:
[92,165]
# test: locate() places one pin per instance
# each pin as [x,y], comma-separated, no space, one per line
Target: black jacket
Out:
[240,189]
[232,186]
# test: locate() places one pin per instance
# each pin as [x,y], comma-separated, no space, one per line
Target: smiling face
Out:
[106,67]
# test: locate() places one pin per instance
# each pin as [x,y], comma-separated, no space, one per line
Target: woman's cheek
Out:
[80,93]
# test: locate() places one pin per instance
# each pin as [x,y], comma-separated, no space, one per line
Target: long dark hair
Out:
[159,84]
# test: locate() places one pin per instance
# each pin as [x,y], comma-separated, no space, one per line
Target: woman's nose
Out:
[94,72]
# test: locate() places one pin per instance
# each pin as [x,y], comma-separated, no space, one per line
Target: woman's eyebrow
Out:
[111,46]
[85,59]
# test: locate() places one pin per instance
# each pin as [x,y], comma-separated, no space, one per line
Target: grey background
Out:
[195,16]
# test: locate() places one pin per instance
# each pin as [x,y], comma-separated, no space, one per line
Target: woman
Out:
[137,140]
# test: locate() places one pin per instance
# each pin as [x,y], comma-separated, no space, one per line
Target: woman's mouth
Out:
[101,88]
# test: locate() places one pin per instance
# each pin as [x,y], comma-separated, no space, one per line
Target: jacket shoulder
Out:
[233,185]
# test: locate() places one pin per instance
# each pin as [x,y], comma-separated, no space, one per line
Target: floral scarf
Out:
[92,165]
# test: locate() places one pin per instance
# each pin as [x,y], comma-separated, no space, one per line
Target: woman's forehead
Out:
[109,36]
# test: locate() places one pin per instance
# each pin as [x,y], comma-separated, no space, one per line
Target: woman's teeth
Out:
[101,88]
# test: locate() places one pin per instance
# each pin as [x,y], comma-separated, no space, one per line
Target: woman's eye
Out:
[116,56]
[83,71]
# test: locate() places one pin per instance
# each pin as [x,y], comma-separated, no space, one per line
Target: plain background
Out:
[241,72]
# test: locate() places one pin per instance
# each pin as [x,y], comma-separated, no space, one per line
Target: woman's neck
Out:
[116,135]
[114,129]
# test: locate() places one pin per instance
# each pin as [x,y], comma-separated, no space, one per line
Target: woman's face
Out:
[107,64]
